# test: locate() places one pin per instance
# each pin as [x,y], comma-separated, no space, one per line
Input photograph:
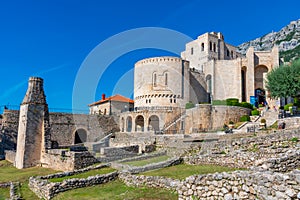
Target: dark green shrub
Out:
[286,107]
[296,102]
[255,112]
[294,139]
[263,121]
[189,105]
[246,105]
[245,118]
[231,122]
[232,102]
[219,102]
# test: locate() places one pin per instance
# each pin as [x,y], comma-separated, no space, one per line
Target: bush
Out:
[232,102]
[189,105]
[263,121]
[296,102]
[231,122]
[246,105]
[255,112]
[219,102]
[245,118]
[286,107]
[294,139]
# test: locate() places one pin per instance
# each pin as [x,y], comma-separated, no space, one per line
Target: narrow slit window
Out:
[166,79]
[154,80]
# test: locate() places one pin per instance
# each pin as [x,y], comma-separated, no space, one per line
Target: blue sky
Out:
[52,38]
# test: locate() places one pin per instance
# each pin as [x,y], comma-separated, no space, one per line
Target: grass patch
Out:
[4,193]
[105,170]
[238,124]
[274,126]
[9,173]
[148,161]
[118,191]
[182,171]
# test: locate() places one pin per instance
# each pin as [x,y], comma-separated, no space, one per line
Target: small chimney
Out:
[103,96]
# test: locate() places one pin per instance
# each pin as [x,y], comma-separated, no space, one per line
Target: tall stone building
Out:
[209,69]
[229,74]
[34,129]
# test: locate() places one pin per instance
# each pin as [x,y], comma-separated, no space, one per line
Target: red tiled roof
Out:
[116,97]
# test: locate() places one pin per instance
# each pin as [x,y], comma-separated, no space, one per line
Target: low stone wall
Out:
[116,151]
[10,156]
[241,185]
[65,160]
[71,173]
[245,152]
[153,166]
[290,122]
[45,189]
[12,190]
[284,163]
[149,181]
[143,157]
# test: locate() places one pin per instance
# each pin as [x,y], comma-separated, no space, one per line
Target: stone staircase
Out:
[270,116]
[174,121]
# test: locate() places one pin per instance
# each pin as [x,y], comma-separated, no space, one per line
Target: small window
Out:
[146,100]
[202,47]
[174,100]
[149,101]
[154,80]
[231,54]
[227,53]
[214,47]
[170,100]
[192,51]
[166,79]
[210,46]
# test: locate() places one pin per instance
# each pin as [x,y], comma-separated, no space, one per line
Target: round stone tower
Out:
[161,82]
[33,130]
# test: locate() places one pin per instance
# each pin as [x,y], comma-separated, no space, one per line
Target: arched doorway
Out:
[154,123]
[260,73]
[80,136]
[260,95]
[139,123]
[129,124]
[243,83]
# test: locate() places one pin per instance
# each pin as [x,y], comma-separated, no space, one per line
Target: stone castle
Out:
[209,69]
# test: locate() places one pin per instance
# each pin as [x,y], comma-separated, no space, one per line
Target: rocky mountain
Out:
[287,39]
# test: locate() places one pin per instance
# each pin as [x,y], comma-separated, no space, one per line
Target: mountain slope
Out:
[287,39]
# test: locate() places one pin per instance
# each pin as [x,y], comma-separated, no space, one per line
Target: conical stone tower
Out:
[34,129]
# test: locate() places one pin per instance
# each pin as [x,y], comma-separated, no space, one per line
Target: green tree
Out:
[284,81]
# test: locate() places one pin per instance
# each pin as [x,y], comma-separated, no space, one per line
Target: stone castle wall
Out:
[62,127]
[206,117]
[10,123]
